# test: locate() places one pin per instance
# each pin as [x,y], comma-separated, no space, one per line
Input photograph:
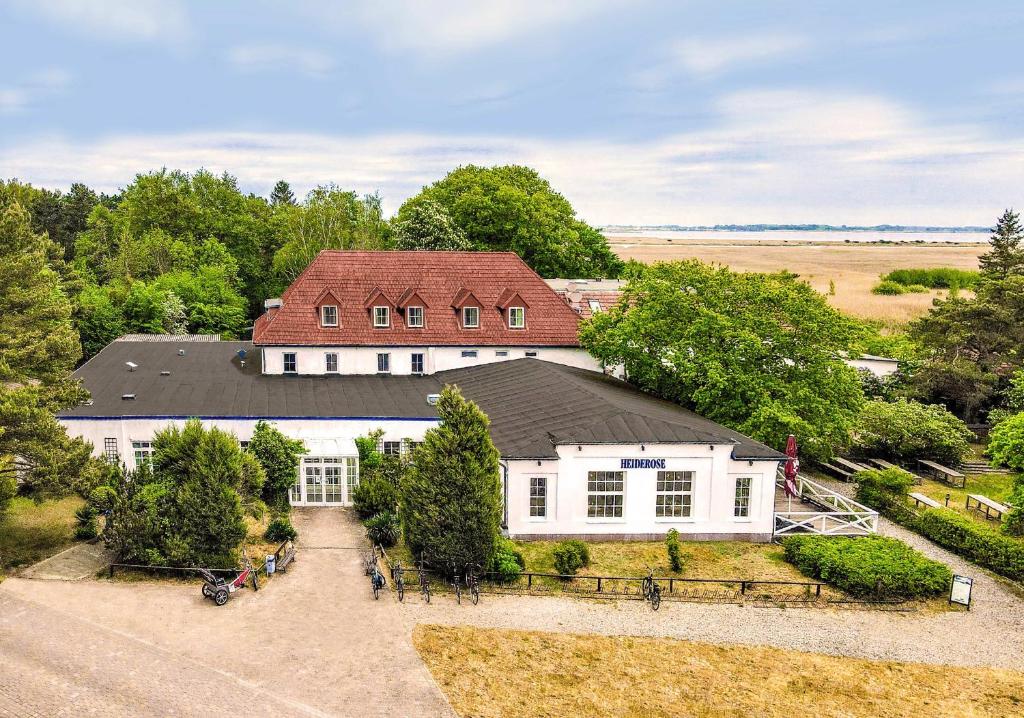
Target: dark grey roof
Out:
[533,405]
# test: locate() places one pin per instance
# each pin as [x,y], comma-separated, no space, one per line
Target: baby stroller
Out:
[219,590]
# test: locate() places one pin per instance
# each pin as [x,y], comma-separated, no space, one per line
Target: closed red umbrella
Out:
[792,468]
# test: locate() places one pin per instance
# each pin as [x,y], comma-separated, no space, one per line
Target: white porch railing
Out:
[838,515]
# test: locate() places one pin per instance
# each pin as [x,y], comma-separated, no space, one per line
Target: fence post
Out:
[111,570]
[529,580]
[817,590]
[599,584]
[743,588]
[671,583]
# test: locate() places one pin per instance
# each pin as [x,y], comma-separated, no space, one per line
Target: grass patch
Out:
[30,531]
[519,673]
[933,278]
[997,487]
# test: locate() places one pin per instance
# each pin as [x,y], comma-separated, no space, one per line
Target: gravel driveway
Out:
[990,634]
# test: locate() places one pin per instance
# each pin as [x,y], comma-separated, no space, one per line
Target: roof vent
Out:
[432,399]
[127,397]
[132,366]
[165,373]
[181,352]
[88,402]
[274,303]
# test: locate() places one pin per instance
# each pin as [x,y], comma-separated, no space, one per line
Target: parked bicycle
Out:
[650,590]
[424,583]
[370,561]
[398,576]
[473,584]
[456,584]
[377,580]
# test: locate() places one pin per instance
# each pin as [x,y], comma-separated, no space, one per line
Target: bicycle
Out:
[398,576]
[456,584]
[473,584]
[377,581]
[650,590]
[424,583]
[370,562]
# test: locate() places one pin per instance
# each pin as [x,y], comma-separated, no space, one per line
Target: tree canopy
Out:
[512,208]
[427,225]
[279,456]
[761,353]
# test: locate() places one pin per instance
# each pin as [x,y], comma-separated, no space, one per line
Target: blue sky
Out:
[639,112]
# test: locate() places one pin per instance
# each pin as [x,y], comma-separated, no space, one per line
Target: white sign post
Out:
[960,590]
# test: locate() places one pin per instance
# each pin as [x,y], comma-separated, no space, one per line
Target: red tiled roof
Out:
[438,278]
[580,300]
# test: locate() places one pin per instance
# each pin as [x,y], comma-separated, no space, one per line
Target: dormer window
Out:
[470,317]
[328,315]
[516,317]
[414,317]
[381,317]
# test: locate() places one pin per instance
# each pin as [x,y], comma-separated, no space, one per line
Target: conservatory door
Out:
[314,485]
[333,484]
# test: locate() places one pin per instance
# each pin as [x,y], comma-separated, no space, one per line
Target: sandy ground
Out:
[855,268]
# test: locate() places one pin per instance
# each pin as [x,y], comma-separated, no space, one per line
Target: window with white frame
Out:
[391,448]
[741,508]
[501,353]
[469,354]
[295,493]
[143,452]
[414,316]
[605,493]
[417,363]
[470,317]
[674,496]
[110,450]
[351,475]
[516,317]
[382,317]
[290,365]
[331,362]
[538,497]
[410,445]
[329,315]
[383,363]
[595,306]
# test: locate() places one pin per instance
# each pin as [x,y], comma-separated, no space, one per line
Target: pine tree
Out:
[279,456]
[451,494]
[1006,256]
[281,194]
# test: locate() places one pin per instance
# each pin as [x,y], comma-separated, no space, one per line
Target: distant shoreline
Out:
[622,241]
[891,228]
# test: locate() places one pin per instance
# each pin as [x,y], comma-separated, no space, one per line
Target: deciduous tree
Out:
[279,456]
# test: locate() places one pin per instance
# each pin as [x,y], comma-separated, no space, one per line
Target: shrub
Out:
[933,278]
[383,529]
[373,496]
[87,531]
[974,541]
[570,556]
[1006,443]
[102,498]
[883,489]
[507,561]
[905,430]
[888,288]
[279,456]
[675,550]
[869,566]
[280,529]
[916,289]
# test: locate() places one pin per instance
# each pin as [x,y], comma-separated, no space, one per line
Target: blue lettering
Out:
[642,463]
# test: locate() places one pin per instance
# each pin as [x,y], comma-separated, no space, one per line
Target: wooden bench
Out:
[883,464]
[842,473]
[285,555]
[920,499]
[990,506]
[944,473]
[852,466]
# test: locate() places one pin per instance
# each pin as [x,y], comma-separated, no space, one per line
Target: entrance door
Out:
[314,485]
[332,485]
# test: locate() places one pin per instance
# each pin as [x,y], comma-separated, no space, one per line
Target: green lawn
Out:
[995,486]
[31,531]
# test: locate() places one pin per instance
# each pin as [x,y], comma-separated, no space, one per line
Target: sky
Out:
[639,112]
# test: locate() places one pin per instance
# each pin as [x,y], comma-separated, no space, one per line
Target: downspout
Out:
[504,499]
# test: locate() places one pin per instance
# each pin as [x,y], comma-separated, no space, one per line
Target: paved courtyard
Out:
[313,643]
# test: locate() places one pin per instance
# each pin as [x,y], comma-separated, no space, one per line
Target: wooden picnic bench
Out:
[920,499]
[285,555]
[990,506]
[851,466]
[841,473]
[883,464]
[944,473]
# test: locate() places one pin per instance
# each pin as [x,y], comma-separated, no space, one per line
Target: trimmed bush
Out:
[280,529]
[373,496]
[905,430]
[888,288]
[974,541]
[102,498]
[869,566]
[883,489]
[383,529]
[675,550]
[570,556]
[506,561]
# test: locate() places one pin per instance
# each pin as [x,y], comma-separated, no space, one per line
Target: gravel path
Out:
[990,634]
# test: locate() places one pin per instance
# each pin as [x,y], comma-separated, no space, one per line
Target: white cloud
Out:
[268,58]
[32,89]
[450,27]
[770,157]
[136,20]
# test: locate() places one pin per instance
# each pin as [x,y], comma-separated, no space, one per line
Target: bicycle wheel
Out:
[458,594]
[426,592]
[376,588]
[656,599]
[474,593]
[401,590]
[645,587]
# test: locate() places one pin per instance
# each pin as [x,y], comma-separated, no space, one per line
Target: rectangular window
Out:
[351,475]
[516,317]
[110,450]
[414,316]
[331,362]
[532,355]
[383,363]
[295,493]
[391,448]
[539,496]
[289,363]
[470,317]
[605,491]
[469,354]
[382,317]
[143,451]
[417,363]
[410,445]
[243,445]
[595,306]
[329,316]
[501,353]
[741,508]
[674,498]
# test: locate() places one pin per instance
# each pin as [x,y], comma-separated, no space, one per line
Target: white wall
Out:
[713,494]
[879,367]
[363,360]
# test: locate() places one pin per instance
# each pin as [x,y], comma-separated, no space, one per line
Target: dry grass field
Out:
[854,268]
[30,531]
[517,673]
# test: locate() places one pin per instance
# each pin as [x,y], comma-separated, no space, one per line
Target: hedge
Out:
[935,277]
[869,566]
[974,541]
